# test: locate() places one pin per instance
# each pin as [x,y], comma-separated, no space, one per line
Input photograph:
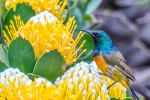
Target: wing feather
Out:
[116,59]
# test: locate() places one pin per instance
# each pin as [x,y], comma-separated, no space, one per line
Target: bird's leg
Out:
[105,75]
[111,85]
[108,77]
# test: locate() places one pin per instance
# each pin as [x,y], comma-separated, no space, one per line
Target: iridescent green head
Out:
[100,38]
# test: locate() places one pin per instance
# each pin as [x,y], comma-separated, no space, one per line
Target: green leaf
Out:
[72,3]
[3,57]
[87,56]
[93,5]
[82,5]
[127,93]
[49,65]
[2,8]
[114,99]
[23,10]
[65,12]
[88,18]
[3,66]
[128,98]
[21,55]
[71,8]
[32,76]
[78,17]
[1,35]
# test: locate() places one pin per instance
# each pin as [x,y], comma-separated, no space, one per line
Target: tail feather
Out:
[133,94]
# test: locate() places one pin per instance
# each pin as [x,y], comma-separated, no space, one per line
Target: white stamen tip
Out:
[93,91]
[84,93]
[42,17]
[70,86]
[80,86]
[91,85]
[80,73]
[98,98]
[70,81]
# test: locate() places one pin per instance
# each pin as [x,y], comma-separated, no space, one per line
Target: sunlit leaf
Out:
[49,65]
[21,55]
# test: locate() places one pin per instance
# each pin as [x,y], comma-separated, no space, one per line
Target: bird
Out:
[110,60]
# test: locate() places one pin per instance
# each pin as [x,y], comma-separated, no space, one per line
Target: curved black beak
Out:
[88,32]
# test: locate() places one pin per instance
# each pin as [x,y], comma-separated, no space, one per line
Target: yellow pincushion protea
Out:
[117,91]
[15,85]
[55,7]
[45,32]
[82,82]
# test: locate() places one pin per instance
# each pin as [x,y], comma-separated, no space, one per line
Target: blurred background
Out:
[128,24]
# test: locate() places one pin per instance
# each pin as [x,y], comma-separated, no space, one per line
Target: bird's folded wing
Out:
[116,59]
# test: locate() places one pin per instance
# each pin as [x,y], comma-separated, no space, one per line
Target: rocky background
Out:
[128,24]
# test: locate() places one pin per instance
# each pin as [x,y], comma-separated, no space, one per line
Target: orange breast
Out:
[101,64]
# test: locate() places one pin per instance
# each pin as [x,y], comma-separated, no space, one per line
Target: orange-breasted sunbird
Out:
[110,61]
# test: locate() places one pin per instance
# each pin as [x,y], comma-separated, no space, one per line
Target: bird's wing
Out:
[116,59]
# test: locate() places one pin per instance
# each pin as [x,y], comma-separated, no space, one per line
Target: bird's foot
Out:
[108,77]
[105,75]
[111,85]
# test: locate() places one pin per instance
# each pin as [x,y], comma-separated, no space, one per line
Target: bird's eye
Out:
[94,33]
[98,35]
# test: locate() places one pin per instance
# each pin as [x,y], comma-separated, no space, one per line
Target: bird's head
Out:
[99,37]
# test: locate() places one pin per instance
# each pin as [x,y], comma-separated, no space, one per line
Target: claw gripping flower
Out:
[45,32]
[54,6]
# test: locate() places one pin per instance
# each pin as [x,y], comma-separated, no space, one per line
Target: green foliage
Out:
[87,56]
[23,10]
[128,98]
[92,6]
[127,93]
[3,57]
[49,65]
[3,66]
[32,76]
[2,14]
[1,37]
[2,8]
[80,9]
[21,55]
[79,17]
